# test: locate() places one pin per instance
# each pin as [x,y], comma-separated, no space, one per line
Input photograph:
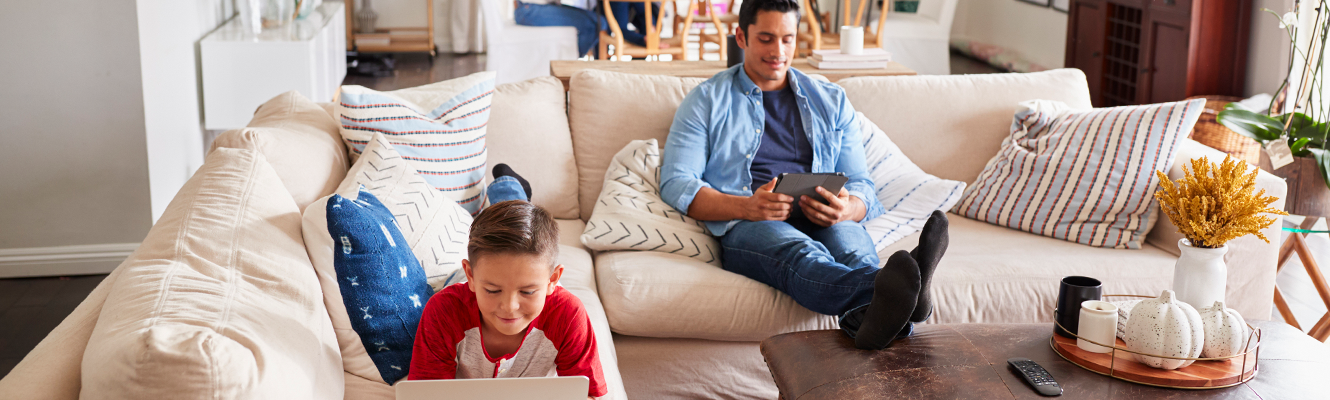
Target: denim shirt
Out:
[718,128]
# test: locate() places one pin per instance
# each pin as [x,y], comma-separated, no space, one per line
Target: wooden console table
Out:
[564,69]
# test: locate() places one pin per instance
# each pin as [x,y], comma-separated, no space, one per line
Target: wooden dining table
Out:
[565,69]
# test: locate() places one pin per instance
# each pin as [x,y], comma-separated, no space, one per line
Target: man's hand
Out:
[765,205]
[842,207]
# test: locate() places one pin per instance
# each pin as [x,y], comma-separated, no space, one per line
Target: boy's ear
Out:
[555,274]
[470,280]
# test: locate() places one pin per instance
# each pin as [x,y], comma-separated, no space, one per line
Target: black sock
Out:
[932,244]
[895,290]
[505,170]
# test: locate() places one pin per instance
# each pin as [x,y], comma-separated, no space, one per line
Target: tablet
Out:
[806,184]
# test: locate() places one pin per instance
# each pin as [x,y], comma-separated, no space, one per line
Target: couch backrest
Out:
[951,125]
[528,130]
[608,109]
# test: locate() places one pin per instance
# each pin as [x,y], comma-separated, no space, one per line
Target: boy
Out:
[509,319]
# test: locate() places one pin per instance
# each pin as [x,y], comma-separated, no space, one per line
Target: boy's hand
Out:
[841,207]
[765,205]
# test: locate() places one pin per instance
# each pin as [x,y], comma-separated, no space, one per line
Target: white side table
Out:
[242,70]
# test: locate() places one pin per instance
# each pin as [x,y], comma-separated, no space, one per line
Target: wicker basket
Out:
[1211,133]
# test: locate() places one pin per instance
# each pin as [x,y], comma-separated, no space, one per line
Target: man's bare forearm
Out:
[712,205]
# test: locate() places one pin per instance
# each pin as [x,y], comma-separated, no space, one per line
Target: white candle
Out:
[1099,322]
[852,40]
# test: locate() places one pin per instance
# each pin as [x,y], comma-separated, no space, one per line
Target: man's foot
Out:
[932,244]
[895,291]
[505,170]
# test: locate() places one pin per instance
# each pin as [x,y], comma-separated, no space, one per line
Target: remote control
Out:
[1036,376]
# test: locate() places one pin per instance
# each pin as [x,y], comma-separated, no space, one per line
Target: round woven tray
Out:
[1211,133]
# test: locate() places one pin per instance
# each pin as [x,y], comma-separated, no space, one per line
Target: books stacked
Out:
[872,58]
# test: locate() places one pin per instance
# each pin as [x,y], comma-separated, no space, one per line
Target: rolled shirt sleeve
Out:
[852,161]
[686,152]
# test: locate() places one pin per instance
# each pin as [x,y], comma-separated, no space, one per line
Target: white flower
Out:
[1289,19]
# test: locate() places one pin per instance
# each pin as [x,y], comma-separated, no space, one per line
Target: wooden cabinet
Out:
[1152,51]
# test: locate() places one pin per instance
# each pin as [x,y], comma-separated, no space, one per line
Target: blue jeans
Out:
[505,188]
[828,270]
[638,18]
[588,23]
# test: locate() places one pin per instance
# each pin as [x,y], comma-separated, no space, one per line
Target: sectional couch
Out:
[669,326]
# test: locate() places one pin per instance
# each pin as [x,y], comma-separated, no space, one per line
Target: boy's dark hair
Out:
[514,226]
[748,11]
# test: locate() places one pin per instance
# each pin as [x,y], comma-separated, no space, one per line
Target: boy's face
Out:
[511,288]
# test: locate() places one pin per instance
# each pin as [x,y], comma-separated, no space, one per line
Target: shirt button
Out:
[748,156]
[758,130]
[745,188]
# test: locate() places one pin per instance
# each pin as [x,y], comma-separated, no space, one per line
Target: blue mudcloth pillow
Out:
[382,284]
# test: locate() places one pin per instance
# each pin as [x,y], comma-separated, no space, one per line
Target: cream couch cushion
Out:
[528,130]
[670,296]
[300,141]
[951,125]
[995,274]
[220,300]
[609,109]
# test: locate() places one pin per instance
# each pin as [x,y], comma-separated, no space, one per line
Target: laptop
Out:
[560,388]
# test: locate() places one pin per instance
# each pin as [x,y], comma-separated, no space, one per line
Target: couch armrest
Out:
[1251,261]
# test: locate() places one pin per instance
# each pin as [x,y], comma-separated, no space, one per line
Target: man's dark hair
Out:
[514,227]
[748,11]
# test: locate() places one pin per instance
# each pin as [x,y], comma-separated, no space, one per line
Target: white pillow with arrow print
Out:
[630,215]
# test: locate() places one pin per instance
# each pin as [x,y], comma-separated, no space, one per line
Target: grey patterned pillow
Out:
[630,215]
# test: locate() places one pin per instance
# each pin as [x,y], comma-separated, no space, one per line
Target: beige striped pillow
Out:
[1085,176]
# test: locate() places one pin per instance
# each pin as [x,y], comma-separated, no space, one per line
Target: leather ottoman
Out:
[969,361]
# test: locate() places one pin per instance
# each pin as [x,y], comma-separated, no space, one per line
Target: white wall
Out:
[1039,33]
[169,31]
[1267,53]
[74,158]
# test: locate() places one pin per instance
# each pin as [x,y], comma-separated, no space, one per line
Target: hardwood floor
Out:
[31,307]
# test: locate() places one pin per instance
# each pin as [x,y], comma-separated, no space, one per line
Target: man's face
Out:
[769,47]
[510,288]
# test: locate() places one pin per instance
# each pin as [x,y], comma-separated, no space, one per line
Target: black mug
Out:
[733,54]
[1071,293]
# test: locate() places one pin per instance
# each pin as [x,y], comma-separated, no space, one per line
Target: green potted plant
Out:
[1297,117]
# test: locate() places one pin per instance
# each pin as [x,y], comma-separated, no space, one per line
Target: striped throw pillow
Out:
[1085,176]
[439,128]
[908,194]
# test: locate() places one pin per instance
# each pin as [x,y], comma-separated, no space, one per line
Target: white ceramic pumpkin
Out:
[1225,331]
[1166,327]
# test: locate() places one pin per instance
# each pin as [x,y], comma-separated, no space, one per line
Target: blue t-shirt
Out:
[784,147]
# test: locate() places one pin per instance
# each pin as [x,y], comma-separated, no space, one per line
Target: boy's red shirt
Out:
[558,342]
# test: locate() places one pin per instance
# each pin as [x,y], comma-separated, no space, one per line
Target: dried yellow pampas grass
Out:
[1212,205]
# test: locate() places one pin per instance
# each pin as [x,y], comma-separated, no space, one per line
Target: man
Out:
[736,132]
[552,13]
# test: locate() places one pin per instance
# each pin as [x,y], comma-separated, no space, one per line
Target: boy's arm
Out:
[433,355]
[577,345]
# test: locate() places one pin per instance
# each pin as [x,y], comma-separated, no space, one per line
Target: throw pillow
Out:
[908,194]
[433,227]
[379,279]
[1086,176]
[630,215]
[220,301]
[439,128]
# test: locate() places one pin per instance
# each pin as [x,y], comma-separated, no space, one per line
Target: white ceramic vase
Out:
[1200,276]
[1225,331]
[1165,327]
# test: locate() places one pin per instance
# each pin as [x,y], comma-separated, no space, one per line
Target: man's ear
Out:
[740,38]
[555,274]
[470,280]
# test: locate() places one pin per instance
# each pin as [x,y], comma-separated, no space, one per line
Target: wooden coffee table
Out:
[969,361]
[564,69]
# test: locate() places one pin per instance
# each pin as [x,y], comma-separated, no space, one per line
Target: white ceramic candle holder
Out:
[852,40]
[1098,323]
